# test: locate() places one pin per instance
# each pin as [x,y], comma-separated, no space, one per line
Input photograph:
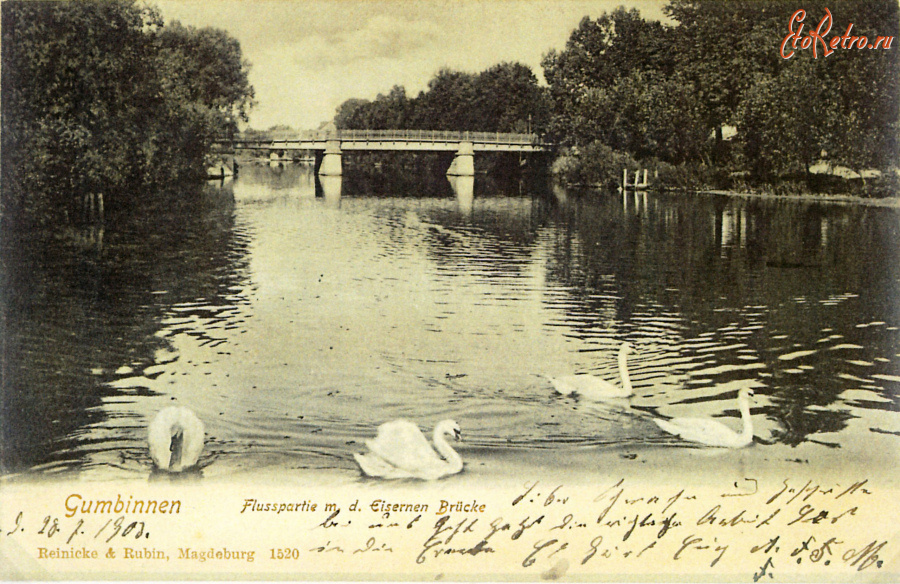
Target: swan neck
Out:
[176,448]
[454,460]
[623,372]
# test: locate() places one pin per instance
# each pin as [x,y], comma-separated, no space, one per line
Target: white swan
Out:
[713,433]
[176,438]
[400,450]
[593,388]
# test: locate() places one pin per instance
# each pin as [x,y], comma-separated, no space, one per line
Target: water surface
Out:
[294,317]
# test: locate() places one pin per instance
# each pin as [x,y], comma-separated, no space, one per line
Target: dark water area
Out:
[294,315]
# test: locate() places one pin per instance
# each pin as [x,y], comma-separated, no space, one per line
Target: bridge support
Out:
[331,162]
[464,163]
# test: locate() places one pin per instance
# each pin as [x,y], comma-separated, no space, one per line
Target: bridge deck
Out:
[432,140]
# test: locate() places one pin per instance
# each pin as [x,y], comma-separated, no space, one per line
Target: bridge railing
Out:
[399,136]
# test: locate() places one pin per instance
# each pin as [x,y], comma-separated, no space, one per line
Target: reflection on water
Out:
[464,189]
[295,314]
[331,190]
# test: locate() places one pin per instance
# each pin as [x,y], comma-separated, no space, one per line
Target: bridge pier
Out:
[464,163]
[331,162]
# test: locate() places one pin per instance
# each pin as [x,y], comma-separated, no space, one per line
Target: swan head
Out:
[449,428]
[626,348]
[746,393]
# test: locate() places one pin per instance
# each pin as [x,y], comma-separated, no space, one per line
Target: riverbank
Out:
[891,202]
[816,198]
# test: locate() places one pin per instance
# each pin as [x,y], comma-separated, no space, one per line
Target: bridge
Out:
[329,145]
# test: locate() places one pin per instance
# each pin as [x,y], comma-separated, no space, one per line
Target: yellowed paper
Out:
[738,517]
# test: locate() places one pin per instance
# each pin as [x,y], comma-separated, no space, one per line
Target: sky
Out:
[307,57]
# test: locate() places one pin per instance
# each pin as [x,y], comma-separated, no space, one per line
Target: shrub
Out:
[597,164]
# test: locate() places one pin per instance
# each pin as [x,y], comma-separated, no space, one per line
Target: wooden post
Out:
[624,178]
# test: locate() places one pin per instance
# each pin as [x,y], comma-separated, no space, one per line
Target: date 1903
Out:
[51,527]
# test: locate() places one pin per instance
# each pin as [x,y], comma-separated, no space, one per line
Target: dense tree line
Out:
[101,97]
[503,98]
[626,91]
[663,93]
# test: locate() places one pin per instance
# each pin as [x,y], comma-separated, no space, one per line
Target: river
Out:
[295,318]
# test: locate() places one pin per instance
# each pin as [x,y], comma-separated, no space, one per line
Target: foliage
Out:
[204,66]
[720,47]
[788,138]
[689,176]
[664,92]
[865,91]
[508,99]
[595,164]
[598,54]
[448,103]
[616,84]
[643,114]
[391,111]
[100,97]
[503,98]
[349,114]
[841,108]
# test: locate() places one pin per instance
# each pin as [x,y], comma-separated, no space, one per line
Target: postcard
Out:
[468,291]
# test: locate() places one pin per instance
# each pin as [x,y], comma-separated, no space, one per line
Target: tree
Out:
[350,115]
[509,99]
[205,67]
[727,51]
[657,91]
[599,53]
[447,103]
[391,111]
[504,98]
[644,114]
[864,88]
[99,97]
[74,78]
[204,83]
[781,129]
[720,47]
[843,107]
[387,112]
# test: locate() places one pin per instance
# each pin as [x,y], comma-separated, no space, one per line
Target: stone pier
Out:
[331,162]
[464,162]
